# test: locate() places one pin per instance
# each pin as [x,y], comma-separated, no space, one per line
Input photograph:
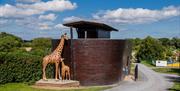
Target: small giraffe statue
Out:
[65,70]
[54,57]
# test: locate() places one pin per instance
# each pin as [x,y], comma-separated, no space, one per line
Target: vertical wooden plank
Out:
[72,61]
[85,34]
[71,32]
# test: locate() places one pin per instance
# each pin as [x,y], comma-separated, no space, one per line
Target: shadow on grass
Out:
[176,80]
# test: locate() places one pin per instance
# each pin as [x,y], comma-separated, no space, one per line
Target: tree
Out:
[41,46]
[151,49]
[165,41]
[9,42]
[176,42]
[41,42]
[135,43]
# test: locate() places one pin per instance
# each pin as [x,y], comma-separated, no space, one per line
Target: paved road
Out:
[150,81]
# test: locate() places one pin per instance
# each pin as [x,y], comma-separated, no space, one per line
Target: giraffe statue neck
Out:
[62,63]
[59,48]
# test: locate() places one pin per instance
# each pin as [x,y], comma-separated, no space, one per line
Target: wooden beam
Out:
[71,32]
[72,61]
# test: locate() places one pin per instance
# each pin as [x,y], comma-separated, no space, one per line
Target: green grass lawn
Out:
[147,63]
[25,87]
[175,71]
[176,87]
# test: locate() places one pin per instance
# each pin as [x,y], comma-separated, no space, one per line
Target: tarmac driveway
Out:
[150,81]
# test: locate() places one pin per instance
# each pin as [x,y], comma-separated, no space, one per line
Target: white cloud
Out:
[72,18]
[54,5]
[23,14]
[28,22]
[20,10]
[34,23]
[50,17]
[28,1]
[138,15]
[44,26]
[60,26]
[12,11]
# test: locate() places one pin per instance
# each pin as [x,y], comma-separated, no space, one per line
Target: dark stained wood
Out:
[97,62]
[90,25]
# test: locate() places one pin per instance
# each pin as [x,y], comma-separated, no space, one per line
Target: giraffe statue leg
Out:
[44,70]
[57,66]
[59,73]
[66,75]
[69,75]
[63,74]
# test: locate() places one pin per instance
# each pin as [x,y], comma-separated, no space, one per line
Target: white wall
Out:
[161,63]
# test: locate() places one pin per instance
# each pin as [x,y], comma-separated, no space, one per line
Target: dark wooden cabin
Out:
[86,29]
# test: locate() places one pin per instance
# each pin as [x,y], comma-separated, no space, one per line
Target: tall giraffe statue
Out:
[54,57]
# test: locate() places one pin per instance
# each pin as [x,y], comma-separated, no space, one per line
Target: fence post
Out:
[136,73]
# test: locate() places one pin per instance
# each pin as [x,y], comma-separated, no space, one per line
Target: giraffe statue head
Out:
[65,36]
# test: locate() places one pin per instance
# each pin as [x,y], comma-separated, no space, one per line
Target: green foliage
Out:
[151,49]
[27,44]
[18,65]
[21,67]
[165,41]
[9,42]
[168,52]
[40,52]
[176,86]
[41,43]
[147,63]
[41,46]
[176,42]
[136,43]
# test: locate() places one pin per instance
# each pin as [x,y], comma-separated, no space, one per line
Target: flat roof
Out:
[90,24]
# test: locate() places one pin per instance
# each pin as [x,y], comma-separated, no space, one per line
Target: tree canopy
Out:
[151,49]
[9,42]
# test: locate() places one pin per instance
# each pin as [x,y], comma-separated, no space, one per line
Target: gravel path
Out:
[150,81]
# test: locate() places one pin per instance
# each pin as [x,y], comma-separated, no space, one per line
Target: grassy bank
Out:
[175,71]
[176,87]
[25,87]
[147,63]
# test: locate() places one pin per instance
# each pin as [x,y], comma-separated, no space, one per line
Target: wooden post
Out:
[136,72]
[71,32]
[85,35]
[71,48]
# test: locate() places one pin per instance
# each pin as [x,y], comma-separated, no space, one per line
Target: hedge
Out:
[22,67]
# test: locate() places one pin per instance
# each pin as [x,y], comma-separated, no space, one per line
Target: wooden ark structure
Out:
[94,58]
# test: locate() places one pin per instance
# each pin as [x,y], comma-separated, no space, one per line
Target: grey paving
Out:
[150,81]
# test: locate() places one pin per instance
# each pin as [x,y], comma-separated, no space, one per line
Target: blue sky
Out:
[133,18]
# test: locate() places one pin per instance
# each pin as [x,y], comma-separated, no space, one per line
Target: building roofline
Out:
[89,24]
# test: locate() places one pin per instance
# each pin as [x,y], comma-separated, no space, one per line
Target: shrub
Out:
[22,67]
